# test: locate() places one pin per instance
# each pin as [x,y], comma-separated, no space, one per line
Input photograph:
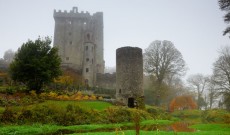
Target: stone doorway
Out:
[131,102]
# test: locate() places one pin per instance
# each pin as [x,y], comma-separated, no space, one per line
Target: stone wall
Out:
[106,81]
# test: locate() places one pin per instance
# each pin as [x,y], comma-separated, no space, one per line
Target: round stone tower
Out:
[129,76]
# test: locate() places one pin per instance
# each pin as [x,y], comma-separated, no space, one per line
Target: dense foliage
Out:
[36,63]
[225,6]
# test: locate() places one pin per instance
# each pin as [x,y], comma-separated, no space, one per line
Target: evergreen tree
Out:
[36,63]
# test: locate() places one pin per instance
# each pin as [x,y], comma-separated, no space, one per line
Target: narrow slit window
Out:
[87,70]
[88,36]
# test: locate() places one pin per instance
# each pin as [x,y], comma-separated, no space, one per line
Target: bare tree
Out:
[198,82]
[212,92]
[9,56]
[162,59]
[221,72]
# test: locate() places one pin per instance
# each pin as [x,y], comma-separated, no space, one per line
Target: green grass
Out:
[158,122]
[212,127]
[88,105]
[132,132]
[38,129]
[98,105]
[46,129]
[202,129]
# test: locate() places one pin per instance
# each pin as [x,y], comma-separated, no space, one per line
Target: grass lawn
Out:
[98,105]
[88,105]
[201,129]
[36,129]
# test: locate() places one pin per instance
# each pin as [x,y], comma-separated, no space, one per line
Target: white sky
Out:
[194,26]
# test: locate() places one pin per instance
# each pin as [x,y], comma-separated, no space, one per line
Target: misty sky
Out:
[194,26]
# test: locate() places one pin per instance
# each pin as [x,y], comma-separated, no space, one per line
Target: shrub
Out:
[100,98]
[13,102]
[25,116]
[33,94]
[27,100]
[187,114]
[10,90]
[123,114]
[158,113]
[52,95]
[215,116]
[3,101]
[8,116]
[227,118]
[43,96]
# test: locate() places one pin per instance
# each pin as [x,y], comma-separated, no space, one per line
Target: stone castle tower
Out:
[129,76]
[79,37]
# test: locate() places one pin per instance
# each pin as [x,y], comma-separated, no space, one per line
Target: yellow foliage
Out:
[93,97]
[66,80]
[63,97]
[79,93]
[100,98]
[66,97]
[86,97]
[78,98]
[43,95]
[33,93]
[52,95]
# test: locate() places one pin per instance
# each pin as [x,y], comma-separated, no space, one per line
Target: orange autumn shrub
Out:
[182,103]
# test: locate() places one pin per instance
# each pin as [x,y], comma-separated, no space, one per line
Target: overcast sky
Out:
[194,26]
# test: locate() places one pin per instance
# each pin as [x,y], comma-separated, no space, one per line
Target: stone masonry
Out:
[79,38]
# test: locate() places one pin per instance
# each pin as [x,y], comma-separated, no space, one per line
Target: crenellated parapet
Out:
[75,14]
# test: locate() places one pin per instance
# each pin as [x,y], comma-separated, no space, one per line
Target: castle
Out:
[79,38]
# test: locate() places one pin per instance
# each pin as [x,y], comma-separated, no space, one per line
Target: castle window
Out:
[70,33]
[67,58]
[87,70]
[86,48]
[87,59]
[92,61]
[120,91]
[70,42]
[92,49]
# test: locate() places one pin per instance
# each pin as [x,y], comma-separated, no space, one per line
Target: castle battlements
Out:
[75,14]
